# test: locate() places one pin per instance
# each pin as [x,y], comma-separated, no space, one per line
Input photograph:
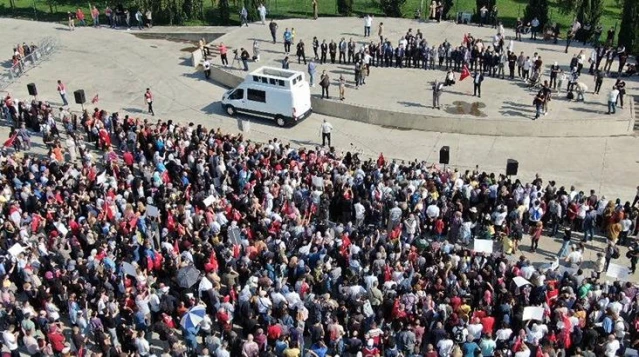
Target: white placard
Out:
[74,173]
[101,178]
[520,281]
[306,249]
[318,181]
[61,228]
[533,313]
[234,235]
[209,200]
[16,249]
[152,211]
[483,246]
[618,271]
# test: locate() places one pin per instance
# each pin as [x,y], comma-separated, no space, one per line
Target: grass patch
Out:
[509,10]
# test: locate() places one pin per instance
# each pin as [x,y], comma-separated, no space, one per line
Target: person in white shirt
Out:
[142,345]
[207,68]
[360,213]
[325,131]
[262,10]
[611,346]
[368,22]
[612,100]
[10,339]
[445,347]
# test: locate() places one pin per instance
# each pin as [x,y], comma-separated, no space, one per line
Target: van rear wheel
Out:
[279,120]
[230,110]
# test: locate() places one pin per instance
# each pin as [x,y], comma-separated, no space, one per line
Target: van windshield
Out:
[237,94]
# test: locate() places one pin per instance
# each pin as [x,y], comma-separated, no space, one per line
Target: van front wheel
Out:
[279,120]
[230,110]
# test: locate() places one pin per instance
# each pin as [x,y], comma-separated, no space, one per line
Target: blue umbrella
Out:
[193,317]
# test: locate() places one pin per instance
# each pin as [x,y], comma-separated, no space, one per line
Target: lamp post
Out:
[35,11]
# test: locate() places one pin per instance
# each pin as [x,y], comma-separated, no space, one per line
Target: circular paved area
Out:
[408,89]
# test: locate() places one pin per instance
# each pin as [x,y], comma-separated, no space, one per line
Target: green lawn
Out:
[509,10]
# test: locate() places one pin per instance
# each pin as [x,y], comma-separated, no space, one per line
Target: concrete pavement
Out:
[119,66]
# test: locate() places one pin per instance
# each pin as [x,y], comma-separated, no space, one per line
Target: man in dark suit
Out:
[478,77]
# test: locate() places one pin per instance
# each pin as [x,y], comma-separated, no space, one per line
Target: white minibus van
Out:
[279,94]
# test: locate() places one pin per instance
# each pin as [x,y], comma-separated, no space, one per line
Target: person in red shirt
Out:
[56,338]
[79,14]
[370,350]
[148,97]
[223,50]
[95,15]
[128,158]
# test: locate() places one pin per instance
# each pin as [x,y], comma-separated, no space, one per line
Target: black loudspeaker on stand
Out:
[80,97]
[444,155]
[511,167]
[31,87]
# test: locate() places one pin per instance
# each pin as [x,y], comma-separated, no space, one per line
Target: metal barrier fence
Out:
[42,52]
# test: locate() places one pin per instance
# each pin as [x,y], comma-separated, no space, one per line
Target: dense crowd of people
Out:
[222,246]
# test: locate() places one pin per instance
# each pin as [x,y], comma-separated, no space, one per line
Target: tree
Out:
[538,9]
[392,8]
[345,7]
[224,10]
[251,8]
[629,30]
[448,4]
[586,11]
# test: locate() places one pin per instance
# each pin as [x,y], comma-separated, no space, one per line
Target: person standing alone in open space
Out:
[262,11]
[243,17]
[325,82]
[326,130]
[478,77]
[272,26]
[612,100]
[288,39]
[438,87]
[223,54]
[63,93]
[312,69]
[315,15]
[71,21]
[148,97]
[368,22]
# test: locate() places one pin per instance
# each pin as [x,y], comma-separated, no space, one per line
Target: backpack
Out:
[458,334]
[615,252]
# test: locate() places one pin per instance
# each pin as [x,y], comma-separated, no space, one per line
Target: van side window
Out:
[264,80]
[280,83]
[271,81]
[256,95]
[256,79]
[237,94]
[294,81]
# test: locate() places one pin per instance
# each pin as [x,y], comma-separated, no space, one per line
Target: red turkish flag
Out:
[10,141]
[465,73]
[95,99]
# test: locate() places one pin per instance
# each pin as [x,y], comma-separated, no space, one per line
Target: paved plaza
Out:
[409,89]
[126,65]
